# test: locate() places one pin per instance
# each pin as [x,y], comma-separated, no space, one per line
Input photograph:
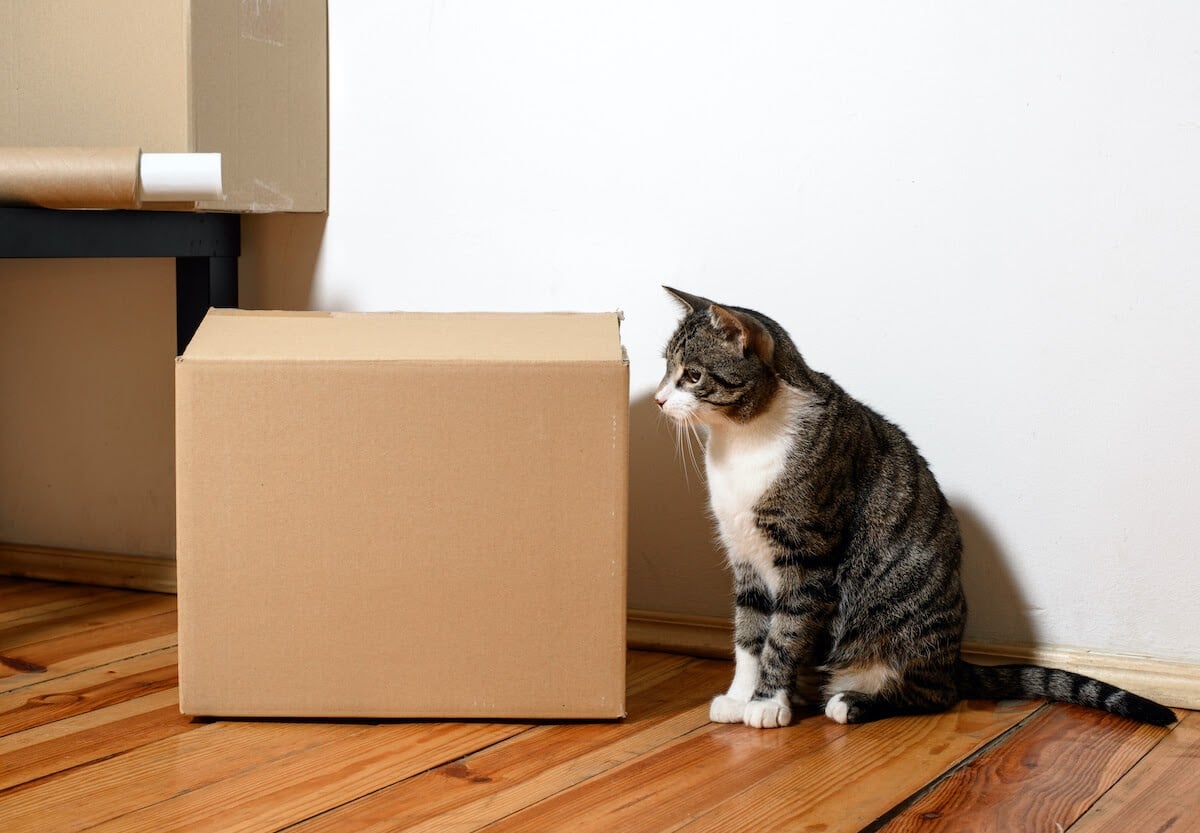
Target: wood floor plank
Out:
[17,586]
[1161,793]
[276,794]
[101,656]
[50,654]
[646,669]
[117,684]
[92,675]
[88,615]
[156,772]
[1045,775]
[30,621]
[91,736]
[847,784]
[672,784]
[40,601]
[683,782]
[470,793]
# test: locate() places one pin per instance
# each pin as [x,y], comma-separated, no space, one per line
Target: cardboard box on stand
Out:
[402,515]
[246,80]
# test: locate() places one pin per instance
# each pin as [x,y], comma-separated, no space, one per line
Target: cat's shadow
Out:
[676,567]
[997,610]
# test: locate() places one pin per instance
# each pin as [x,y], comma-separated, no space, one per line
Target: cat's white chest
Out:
[741,466]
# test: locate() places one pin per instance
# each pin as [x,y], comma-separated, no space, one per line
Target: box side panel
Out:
[401,540]
[259,97]
[10,81]
[77,72]
[86,417]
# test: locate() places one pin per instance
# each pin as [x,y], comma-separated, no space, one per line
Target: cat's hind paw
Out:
[767,714]
[726,709]
[838,708]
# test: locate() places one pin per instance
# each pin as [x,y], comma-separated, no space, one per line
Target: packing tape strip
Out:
[70,177]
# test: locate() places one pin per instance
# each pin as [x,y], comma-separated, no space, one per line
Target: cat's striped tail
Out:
[1000,682]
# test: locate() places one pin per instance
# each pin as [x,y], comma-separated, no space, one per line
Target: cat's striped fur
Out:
[844,552]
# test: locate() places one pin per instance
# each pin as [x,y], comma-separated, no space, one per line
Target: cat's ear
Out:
[691,303]
[749,334]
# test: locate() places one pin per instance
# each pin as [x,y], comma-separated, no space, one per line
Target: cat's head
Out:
[721,363]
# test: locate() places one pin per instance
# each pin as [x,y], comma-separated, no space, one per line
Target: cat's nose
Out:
[660,400]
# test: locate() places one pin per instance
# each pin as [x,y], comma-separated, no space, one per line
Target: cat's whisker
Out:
[694,440]
[683,450]
[678,441]
[687,438]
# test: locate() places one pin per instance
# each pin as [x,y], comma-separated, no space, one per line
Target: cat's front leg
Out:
[751,623]
[770,705]
[800,613]
[730,707]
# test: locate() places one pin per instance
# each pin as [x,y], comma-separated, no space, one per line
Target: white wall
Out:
[982,218]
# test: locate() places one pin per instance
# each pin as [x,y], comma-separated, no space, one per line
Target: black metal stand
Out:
[205,248]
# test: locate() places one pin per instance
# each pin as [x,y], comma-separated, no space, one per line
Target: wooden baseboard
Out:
[1169,682]
[677,633]
[154,573]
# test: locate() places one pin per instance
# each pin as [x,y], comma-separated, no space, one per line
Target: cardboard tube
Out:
[70,177]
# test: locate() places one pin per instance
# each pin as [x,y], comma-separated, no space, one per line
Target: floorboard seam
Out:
[1124,774]
[357,798]
[45,679]
[994,743]
[678,738]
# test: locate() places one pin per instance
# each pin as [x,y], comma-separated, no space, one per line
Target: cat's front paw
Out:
[726,709]
[767,714]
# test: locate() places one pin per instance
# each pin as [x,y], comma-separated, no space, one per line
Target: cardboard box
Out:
[244,79]
[402,515]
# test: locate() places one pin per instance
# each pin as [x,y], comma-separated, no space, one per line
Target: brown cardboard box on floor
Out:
[402,515]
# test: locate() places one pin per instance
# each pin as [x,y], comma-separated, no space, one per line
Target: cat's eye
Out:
[691,375]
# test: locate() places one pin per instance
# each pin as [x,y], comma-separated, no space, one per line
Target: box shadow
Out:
[278,265]
[675,565]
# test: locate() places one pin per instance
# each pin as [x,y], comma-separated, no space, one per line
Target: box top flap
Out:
[231,334]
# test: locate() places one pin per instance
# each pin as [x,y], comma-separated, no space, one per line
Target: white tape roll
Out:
[181,177]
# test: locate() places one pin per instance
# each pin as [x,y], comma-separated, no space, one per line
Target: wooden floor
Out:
[91,739]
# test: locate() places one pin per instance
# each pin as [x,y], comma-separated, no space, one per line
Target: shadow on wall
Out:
[279,260]
[997,611]
[674,564]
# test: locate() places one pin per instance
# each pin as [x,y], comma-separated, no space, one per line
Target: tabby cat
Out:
[845,554]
